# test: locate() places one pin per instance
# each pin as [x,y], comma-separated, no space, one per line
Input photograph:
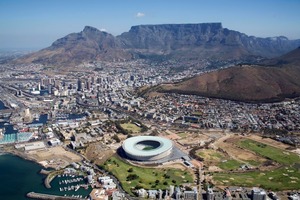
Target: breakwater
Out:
[34,195]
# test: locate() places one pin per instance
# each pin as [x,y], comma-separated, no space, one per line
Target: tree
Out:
[130,170]
[131,177]
[116,138]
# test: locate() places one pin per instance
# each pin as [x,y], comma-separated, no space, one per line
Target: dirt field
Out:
[98,153]
[228,142]
[268,141]
[55,157]
[186,138]
[173,165]
[55,152]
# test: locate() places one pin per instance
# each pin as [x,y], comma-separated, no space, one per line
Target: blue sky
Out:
[38,23]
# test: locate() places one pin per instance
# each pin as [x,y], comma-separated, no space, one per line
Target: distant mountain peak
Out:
[90,29]
[163,41]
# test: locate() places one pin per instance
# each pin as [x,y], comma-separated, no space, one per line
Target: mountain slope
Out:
[178,41]
[75,48]
[246,83]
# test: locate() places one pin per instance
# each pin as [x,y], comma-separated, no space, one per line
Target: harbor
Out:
[34,195]
[69,185]
[31,180]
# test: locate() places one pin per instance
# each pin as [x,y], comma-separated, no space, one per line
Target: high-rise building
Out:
[190,195]
[259,194]
[79,85]
[171,190]
[160,194]
[88,84]
[209,194]
[49,89]
[177,193]
[132,77]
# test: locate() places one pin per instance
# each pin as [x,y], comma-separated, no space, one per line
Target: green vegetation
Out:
[230,164]
[278,155]
[133,177]
[198,114]
[116,138]
[285,178]
[182,134]
[219,159]
[148,148]
[211,155]
[254,163]
[130,127]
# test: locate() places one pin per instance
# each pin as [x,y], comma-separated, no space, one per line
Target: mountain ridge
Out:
[196,41]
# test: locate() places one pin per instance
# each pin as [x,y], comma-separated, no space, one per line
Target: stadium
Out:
[147,148]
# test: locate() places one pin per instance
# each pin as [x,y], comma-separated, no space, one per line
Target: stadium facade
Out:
[147,148]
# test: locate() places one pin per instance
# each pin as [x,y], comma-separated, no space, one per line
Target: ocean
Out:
[19,176]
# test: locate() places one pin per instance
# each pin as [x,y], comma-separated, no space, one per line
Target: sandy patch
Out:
[54,153]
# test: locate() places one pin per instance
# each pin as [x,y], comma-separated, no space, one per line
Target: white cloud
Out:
[103,30]
[140,14]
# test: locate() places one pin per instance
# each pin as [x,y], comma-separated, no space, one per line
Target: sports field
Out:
[148,178]
[131,127]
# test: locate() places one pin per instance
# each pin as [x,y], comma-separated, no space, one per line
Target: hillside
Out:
[246,83]
[167,41]
[86,46]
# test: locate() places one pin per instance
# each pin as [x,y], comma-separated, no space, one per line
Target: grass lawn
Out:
[278,155]
[230,164]
[182,134]
[148,178]
[131,127]
[219,159]
[199,114]
[285,178]
[211,155]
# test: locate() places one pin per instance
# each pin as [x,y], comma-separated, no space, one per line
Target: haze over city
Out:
[36,24]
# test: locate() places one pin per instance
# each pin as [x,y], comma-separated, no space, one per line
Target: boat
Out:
[2,130]
[77,187]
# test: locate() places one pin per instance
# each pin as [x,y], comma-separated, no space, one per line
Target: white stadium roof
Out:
[131,146]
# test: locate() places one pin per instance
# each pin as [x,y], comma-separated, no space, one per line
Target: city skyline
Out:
[37,24]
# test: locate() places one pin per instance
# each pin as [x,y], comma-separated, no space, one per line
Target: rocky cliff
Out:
[188,41]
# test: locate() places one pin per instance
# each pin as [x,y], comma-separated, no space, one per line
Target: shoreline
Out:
[21,155]
[47,180]
[5,103]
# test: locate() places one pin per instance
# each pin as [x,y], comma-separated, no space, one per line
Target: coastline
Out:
[37,158]
[23,155]
[5,103]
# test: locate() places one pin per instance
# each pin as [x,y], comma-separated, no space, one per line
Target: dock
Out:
[34,195]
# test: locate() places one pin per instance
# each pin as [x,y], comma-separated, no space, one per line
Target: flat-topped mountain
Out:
[188,41]
[168,38]
[264,83]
